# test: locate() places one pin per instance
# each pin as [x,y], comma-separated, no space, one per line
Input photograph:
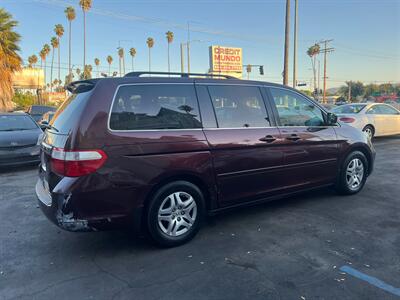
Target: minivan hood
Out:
[19,138]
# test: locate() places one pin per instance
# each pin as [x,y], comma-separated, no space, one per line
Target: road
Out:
[287,249]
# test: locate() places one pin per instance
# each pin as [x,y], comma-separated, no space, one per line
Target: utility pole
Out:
[325,51]
[188,47]
[286,51]
[349,93]
[319,76]
[182,60]
[295,44]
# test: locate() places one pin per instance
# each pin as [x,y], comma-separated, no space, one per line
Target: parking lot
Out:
[287,249]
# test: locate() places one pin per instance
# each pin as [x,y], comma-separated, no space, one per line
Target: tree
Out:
[32,60]
[71,15]
[170,39]
[54,44]
[87,72]
[312,52]
[150,44]
[121,61]
[132,52]
[356,89]
[42,56]
[86,5]
[78,72]
[10,61]
[97,63]
[109,61]
[46,50]
[59,31]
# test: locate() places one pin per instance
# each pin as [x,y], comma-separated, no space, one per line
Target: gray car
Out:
[19,139]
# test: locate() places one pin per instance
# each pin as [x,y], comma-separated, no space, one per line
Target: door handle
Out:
[293,137]
[267,139]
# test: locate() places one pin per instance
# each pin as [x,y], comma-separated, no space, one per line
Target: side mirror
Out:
[331,119]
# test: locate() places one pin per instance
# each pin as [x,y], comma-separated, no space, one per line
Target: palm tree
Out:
[54,44]
[109,61]
[150,44]
[170,38]
[312,52]
[97,63]
[59,31]
[132,52]
[78,72]
[32,60]
[85,5]
[87,72]
[10,61]
[71,15]
[121,61]
[42,55]
[46,50]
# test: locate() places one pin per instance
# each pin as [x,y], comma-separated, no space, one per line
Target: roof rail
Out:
[183,75]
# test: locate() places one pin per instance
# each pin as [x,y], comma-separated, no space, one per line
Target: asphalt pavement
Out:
[317,245]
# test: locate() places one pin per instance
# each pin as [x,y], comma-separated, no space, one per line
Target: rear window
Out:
[149,107]
[15,123]
[348,109]
[69,113]
[40,110]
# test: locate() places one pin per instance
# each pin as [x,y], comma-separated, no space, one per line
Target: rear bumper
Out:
[58,209]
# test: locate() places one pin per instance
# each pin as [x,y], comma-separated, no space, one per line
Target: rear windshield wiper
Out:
[51,127]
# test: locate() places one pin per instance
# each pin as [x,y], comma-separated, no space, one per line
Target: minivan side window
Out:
[295,110]
[238,106]
[155,106]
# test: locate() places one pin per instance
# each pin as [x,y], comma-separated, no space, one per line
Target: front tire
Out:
[353,173]
[370,131]
[175,213]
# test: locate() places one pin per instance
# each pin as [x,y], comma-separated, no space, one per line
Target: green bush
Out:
[23,100]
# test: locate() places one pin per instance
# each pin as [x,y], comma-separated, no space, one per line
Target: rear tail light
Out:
[76,163]
[347,119]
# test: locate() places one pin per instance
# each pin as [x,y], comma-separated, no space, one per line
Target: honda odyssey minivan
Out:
[159,153]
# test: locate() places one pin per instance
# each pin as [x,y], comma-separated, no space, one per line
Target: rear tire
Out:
[370,131]
[353,174]
[175,214]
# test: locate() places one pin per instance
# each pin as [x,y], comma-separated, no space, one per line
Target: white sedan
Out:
[375,119]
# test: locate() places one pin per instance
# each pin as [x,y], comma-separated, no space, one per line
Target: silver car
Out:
[375,119]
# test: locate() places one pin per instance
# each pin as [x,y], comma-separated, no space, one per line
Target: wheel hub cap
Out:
[177,214]
[354,173]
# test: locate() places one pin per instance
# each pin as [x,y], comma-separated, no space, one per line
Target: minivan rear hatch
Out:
[64,123]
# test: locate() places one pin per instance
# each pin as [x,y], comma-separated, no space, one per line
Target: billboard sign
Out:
[226,60]
[28,78]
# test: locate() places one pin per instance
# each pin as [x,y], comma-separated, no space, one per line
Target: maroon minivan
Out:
[159,153]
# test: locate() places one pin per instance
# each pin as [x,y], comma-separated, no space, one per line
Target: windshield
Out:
[348,109]
[14,123]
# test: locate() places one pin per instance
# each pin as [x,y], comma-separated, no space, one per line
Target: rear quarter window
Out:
[151,107]
[69,113]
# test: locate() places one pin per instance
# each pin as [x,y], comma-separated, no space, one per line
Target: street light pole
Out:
[286,51]
[295,46]
[182,60]
[188,47]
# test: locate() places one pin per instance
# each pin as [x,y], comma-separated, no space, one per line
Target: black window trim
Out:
[276,114]
[147,130]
